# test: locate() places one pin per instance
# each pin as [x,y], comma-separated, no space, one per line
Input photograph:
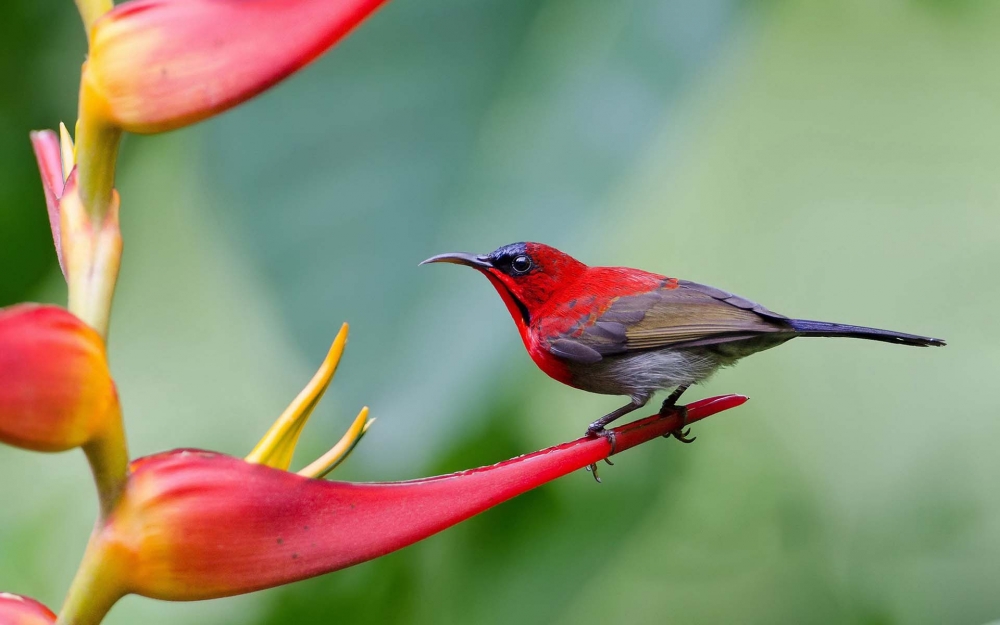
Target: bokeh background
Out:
[837,160]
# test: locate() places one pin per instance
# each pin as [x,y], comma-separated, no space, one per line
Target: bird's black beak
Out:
[461,258]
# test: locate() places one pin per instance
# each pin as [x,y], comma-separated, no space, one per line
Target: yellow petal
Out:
[278,445]
[67,151]
[339,452]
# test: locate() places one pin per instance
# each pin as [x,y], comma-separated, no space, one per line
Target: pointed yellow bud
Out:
[339,452]
[278,445]
[67,151]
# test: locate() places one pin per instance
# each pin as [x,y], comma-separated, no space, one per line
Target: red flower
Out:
[156,65]
[18,610]
[56,392]
[196,525]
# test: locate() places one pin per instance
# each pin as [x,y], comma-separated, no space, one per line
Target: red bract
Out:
[156,65]
[56,392]
[197,525]
[47,152]
[18,610]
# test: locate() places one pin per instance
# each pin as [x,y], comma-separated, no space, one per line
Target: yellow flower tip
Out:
[67,151]
[277,446]
[339,452]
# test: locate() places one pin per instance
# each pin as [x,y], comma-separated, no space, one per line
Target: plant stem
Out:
[96,152]
[96,586]
[108,457]
[92,243]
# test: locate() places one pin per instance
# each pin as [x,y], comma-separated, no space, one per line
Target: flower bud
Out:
[56,391]
[18,610]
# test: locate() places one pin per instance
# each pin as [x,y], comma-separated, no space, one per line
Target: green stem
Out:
[95,588]
[96,154]
[108,457]
[93,231]
[97,584]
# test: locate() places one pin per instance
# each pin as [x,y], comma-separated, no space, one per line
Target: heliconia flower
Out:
[197,525]
[56,391]
[156,65]
[18,610]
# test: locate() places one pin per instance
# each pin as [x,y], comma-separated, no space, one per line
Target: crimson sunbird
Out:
[622,331]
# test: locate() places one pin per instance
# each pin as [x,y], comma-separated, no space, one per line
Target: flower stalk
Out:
[97,143]
[107,454]
[89,222]
[96,586]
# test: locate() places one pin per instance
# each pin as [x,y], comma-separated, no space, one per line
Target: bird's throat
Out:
[516,307]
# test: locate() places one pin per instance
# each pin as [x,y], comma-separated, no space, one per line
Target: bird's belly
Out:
[640,374]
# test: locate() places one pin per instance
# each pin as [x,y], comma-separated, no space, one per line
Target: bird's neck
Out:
[518,309]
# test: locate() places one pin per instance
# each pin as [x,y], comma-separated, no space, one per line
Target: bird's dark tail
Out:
[820,328]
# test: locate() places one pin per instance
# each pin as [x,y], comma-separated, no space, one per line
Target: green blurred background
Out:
[832,159]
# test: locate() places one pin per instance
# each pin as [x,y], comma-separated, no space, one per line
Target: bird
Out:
[623,331]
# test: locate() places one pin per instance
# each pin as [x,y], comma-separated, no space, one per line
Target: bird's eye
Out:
[521,264]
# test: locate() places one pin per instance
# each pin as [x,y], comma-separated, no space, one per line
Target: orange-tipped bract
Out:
[196,525]
[56,392]
[156,65]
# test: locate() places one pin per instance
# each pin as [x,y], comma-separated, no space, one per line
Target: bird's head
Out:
[525,274]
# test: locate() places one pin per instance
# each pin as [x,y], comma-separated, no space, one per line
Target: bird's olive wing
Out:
[681,314]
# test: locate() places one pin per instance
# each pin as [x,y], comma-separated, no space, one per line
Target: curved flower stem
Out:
[96,586]
[90,10]
[108,458]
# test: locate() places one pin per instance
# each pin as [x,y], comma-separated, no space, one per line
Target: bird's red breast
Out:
[573,306]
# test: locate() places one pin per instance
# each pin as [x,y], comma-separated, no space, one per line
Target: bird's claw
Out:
[680,433]
[610,435]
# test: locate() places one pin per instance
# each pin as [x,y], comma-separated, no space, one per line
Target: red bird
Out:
[621,331]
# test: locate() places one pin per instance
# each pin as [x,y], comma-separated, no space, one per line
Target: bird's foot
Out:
[680,433]
[608,434]
[682,436]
